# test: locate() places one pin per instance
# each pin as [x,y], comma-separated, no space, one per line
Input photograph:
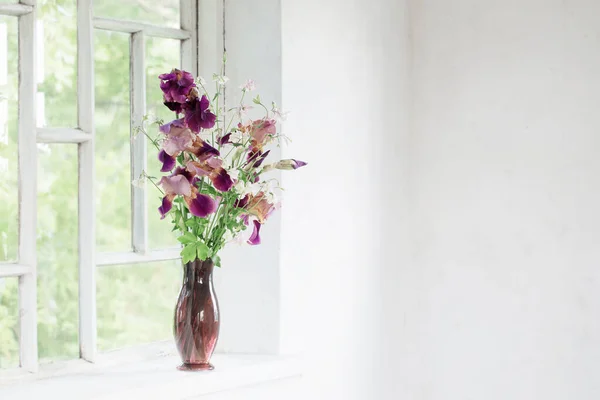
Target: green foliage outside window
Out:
[134,302]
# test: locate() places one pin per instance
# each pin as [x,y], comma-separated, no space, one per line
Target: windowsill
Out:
[148,372]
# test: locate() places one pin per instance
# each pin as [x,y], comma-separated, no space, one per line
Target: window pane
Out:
[113,175]
[164,12]
[8,139]
[58,288]
[57,63]
[9,322]
[136,303]
[162,55]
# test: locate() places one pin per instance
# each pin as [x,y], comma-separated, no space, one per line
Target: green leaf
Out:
[202,221]
[207,189]
[188,253]
[191,222]
[202,250]
[187,238]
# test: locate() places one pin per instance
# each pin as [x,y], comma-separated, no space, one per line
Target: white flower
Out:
[243,236]
[140,182]
[242,111]
[220,79]
[228,236]
[278,114]
[249,86]
[234,173]
[201,81]
[240,187]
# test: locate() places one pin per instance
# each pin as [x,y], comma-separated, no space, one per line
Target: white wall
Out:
[505,195]
[345,82]
[441,243]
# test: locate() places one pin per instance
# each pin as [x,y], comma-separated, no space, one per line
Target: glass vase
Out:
[196,322]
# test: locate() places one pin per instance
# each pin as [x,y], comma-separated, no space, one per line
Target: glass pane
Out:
[57,63]
[58,288]
[113,175]
[9,322]
[9,211]
[136,302]
[162,55]
[164,12]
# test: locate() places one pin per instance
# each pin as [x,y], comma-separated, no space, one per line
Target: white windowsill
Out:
[148,372]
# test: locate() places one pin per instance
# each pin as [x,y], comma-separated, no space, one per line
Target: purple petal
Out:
[255,238]
[177,184]
[204,151]
[241,203]
[214,162]
[256,157]
[221,180]
[186,79]
[197,169]
[167,161]
[202,205]
[184,172]
[174,106]
[198,116]
[176,85]
[167,204]
[166,128]
[168,76]
[261,158]
[177,140]
[298,163]
[225,139]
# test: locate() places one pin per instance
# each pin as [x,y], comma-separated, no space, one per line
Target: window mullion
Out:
[87,198]
[189,47]
[16,10]
[137,81]
[27,149]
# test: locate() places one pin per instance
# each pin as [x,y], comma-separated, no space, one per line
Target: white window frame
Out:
[84,137]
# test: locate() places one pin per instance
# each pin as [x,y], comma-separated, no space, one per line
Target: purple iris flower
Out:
[243,202]
[224,140]
[203,150]
[197,114]
[168,162]
[166,128]
[174,106]
[176,85]
[256,158]
[167,204]
[289,164]
[221,179]
[255,237]
[202,205]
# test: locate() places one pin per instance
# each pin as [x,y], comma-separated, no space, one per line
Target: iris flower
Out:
[176,86]
[198,115]
[178,183]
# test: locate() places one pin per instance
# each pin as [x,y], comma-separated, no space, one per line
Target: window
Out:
[76,239]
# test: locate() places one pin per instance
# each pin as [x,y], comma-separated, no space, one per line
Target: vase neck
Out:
[199,271]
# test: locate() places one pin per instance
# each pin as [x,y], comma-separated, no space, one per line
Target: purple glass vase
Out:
[196,323]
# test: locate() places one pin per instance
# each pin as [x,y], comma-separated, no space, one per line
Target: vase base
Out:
[196,367]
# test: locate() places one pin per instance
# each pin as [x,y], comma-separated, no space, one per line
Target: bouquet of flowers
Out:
[216,188]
